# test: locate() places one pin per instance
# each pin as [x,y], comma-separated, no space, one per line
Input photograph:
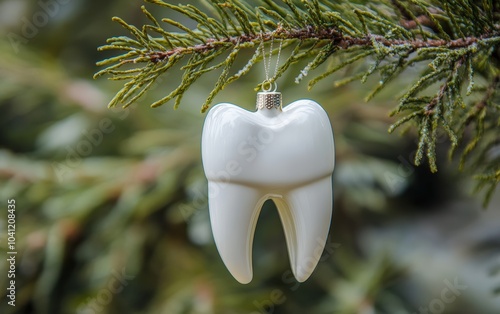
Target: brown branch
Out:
[340,40]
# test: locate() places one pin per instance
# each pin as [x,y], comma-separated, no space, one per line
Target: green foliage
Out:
[135,199]
[457,40]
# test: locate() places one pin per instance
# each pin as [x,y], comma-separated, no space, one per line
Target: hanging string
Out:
[267,85]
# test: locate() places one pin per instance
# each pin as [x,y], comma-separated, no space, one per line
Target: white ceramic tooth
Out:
[286,156]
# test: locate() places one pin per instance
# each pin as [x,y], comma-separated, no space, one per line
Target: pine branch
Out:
[458,40]
[337,38]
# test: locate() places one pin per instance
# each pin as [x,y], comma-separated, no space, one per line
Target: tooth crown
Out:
[293,147]
[284,155]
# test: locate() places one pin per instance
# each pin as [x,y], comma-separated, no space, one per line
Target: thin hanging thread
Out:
[267,64]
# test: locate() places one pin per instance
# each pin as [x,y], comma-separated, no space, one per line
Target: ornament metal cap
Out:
[269,100]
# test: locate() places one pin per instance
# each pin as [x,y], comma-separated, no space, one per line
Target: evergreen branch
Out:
[333,35]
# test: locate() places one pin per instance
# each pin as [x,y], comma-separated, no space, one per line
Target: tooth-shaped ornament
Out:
[286,155]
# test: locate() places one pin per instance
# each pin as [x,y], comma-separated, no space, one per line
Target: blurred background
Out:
[111,205]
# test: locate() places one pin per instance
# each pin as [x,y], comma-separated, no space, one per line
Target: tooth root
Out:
[234,211]
[306,213]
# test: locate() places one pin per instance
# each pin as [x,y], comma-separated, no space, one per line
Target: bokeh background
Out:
[112,210]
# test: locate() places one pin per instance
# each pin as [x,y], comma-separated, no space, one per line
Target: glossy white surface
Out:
[286,156]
